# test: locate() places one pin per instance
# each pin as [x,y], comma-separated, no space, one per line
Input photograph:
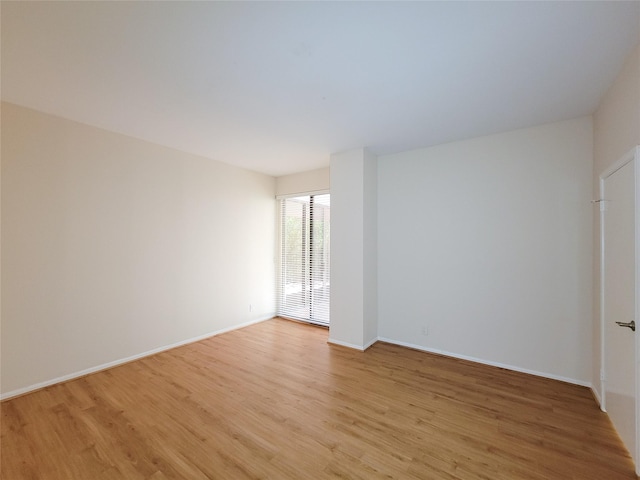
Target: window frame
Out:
[279,251]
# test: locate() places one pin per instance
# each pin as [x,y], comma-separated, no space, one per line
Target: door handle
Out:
[631,325]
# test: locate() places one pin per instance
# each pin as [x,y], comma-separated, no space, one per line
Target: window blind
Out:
[304,278]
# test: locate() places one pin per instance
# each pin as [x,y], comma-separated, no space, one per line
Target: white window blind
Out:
[304,283]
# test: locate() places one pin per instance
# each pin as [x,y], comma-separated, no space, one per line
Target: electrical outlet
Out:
[250,307]
[425,330]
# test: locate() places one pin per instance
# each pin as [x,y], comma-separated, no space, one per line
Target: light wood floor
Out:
[275,401]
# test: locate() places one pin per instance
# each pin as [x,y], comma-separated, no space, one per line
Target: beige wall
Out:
[616,132]
[304,182]
[486,245]
[348,287]
[617,119]
[113,247]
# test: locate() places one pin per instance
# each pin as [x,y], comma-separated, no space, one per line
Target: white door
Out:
[619,302]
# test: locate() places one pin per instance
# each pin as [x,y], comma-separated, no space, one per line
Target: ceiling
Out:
[277,87]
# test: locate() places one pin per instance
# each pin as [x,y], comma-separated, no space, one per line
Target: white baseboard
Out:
[367,345]
[487,362]
[346,344]
[105,366]
[598,398]
[360,348]
[115,363]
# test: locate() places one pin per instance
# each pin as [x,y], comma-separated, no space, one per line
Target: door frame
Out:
[278,249]
[633,156]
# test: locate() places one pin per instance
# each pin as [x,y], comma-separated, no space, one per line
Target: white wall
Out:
[304,182]
[487,243]
[370,248]
[347,260]
[616,131]
[112,247]
[354,269]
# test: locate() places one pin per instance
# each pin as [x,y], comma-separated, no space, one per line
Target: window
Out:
[304,282]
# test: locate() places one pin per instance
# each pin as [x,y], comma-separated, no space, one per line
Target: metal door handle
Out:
[631,325]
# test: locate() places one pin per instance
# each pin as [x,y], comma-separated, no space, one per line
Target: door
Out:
[619,301]
[304,270]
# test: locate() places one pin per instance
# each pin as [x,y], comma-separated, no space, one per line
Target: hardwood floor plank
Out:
[276,401]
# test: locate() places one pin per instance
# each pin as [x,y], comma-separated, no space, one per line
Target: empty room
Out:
[313,240]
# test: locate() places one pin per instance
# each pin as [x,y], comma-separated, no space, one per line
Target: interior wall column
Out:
[354,239]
